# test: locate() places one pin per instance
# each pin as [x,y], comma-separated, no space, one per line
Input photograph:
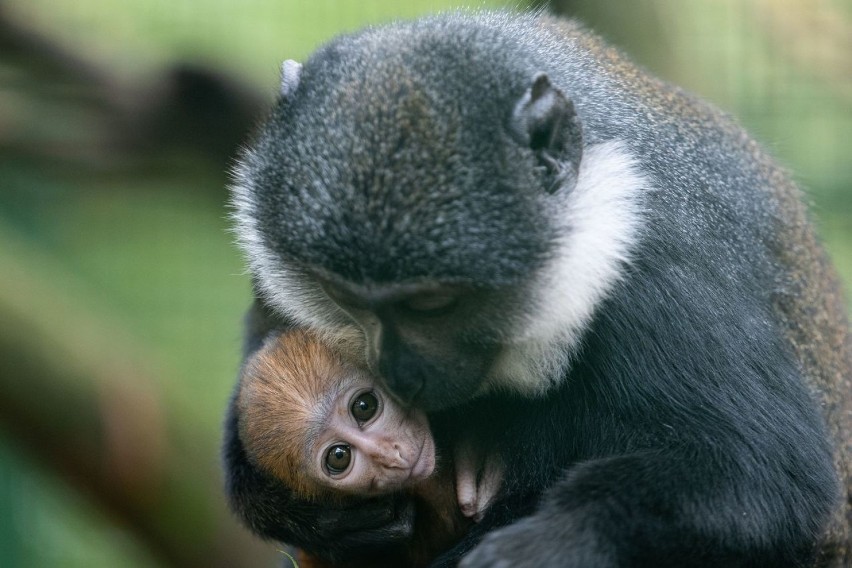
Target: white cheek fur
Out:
[599,222]
[284,289]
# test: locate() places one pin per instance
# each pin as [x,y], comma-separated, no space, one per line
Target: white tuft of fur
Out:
[287,291]
[599,223]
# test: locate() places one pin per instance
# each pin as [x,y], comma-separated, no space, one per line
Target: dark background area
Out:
[121,291]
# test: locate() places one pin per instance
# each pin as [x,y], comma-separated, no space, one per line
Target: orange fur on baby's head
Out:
[286,392]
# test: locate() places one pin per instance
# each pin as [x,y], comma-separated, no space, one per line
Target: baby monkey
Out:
[328,429]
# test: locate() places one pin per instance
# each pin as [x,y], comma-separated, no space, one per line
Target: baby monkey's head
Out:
[318,424]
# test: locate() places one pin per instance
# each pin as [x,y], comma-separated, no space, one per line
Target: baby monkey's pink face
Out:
[371,444]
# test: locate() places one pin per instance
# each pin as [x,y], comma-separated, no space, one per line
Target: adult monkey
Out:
[502,204]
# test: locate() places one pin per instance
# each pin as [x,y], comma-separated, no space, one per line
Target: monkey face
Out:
[414,224]
[432,343]
[371,445]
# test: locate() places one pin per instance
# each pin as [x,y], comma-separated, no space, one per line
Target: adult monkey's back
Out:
[494,203]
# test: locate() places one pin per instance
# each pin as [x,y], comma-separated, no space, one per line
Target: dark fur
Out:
[684,432]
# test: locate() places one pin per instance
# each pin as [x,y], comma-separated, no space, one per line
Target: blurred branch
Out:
[188,111]
[97,418]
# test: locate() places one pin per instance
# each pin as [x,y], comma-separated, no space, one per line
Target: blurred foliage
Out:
[120,291]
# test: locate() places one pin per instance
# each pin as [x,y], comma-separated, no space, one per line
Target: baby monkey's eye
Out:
[337,459]
[364,406]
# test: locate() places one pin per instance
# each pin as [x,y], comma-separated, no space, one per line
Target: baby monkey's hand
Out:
[478,479]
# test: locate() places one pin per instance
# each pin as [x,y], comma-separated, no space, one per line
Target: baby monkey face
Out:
[371,444]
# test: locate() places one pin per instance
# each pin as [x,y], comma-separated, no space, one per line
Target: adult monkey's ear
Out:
[291,71]
[545,121]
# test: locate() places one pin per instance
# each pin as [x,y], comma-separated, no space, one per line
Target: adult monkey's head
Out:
[433,217]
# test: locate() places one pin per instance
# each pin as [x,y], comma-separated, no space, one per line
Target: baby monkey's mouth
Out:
[425,462]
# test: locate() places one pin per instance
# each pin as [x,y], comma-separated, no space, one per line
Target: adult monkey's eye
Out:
[434,303]
[338,458]
[364,406]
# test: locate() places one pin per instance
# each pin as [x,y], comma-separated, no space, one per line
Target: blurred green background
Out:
[121,293]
